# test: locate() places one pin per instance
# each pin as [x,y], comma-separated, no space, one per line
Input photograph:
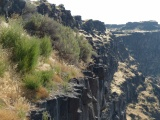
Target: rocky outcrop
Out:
[60,14]
[93,25]
[17,7]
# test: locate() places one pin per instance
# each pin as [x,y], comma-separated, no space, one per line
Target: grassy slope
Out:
[15,98]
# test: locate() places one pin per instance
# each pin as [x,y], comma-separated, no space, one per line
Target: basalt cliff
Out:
[121,82]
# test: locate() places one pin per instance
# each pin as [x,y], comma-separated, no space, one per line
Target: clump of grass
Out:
[46,77]
[32,81]
[21,108]
[38,79]
[41,93]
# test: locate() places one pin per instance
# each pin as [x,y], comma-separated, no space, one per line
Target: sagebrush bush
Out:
[41,25]
[45,46]
[85,49]
[67,45]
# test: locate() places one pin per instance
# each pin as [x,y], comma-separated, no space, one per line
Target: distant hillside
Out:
[143,25]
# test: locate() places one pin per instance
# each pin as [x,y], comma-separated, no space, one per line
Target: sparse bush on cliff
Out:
[38,79]
[85,49]
[67,45]
[45,46]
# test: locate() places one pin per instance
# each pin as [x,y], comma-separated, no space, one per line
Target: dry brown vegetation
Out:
[123,73]
[147,104]
[13,105]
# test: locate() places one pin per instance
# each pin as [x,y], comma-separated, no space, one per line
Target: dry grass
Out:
[61,67]
[8,115]
[147,104]
[14,105]
[57,79]
[42,93]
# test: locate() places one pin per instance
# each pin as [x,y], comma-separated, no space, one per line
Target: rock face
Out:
[145,47]
[93,25]
[60,14]
[103,94]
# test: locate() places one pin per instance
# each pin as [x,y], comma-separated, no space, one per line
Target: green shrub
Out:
[46,77]
[85,49]
[10,35]
[32,81]
[39,78]
[67,45]
[25,50]
[45,46]
[41,25]
[26,53]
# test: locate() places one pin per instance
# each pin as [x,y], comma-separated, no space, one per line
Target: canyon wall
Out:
[108,87]
[145,48]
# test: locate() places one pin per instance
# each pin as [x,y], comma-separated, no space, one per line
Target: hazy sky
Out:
[113,11]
